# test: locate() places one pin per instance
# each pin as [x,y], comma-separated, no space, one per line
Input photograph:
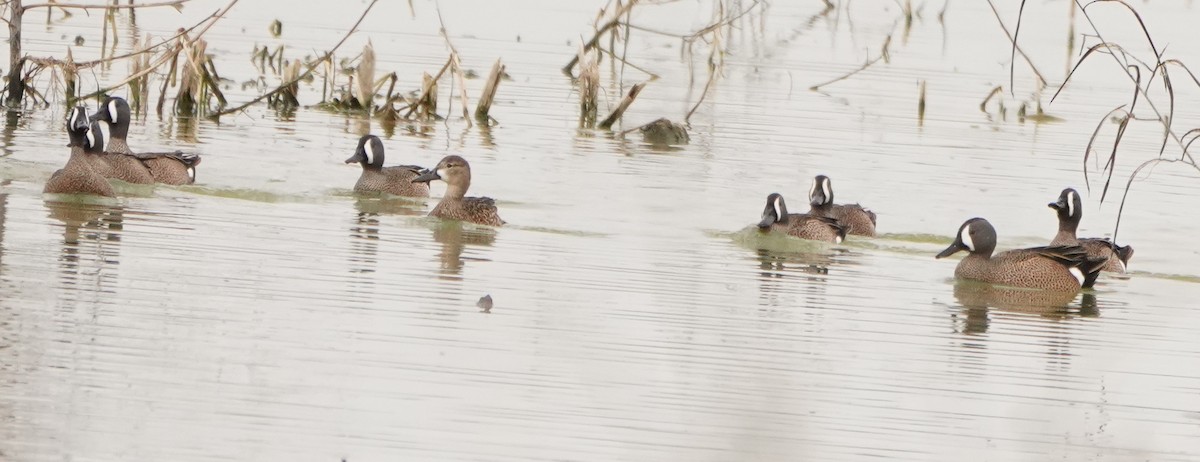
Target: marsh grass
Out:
[613,22]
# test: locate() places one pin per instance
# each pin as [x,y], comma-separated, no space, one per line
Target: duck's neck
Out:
[118,145]
[1067,227]
[457,190]
[80,156]
[821,210]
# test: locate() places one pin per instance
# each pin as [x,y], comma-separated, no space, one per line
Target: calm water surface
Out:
[268,314]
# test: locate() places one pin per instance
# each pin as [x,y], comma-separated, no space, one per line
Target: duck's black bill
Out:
[426,176]
[953,249]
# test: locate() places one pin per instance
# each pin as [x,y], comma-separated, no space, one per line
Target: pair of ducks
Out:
[413,181]
[1067,264]
[92,162]
[825,221]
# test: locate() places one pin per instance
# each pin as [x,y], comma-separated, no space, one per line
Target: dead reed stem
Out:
[1012,38]
[488,95]
[588,85]
[883,56]
[616,114]
[595,40]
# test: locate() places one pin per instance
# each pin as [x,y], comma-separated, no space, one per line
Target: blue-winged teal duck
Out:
[174,168]
[664,132]
[375,177]
[78,176]
[854,217]
[455,171]
[1064,268]
[1070,210]
[775,217]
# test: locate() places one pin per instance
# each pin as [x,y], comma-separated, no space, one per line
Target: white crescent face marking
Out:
[1071,203]
[1075,271]
[778,209]
[813,190]
[965,237]
[827,190]
[91,138]
[74,114]
[113,114]
[370,150]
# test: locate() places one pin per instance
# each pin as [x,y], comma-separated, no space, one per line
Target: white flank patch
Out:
[838,239]
[827,189]
[113,114]
[778,208]
[369,148]
[191,173]
[1123,267]
[965,237]
[1075,271]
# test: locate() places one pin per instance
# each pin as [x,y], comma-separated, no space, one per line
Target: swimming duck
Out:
[1069,208]
[375,177]
[1061,268]
[664,132]
[173,168]
[775,217]
[455,171]
[854,217]
[78,176]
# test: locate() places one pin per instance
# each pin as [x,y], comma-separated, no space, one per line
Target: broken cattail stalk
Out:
[70,75]
[427,104]
[489,93]
[366,78]
[192,86]
[620,110]
[588,85]
[289,95]
[462,87]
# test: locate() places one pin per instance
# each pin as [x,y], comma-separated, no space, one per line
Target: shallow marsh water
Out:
[268,314]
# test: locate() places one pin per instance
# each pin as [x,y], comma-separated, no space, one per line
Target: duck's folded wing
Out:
[189,159]
[413,168]
[1069,255]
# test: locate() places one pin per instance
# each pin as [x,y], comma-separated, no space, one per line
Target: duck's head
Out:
[976,236]
[821,192]
[369,152]
[774,212]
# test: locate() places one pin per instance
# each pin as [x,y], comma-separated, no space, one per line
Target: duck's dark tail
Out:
[1091,270]
[1124,253]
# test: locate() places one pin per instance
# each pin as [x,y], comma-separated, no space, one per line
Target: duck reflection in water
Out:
[454,237]
[91,236]
[978,299]
[364,232]
[778,271]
